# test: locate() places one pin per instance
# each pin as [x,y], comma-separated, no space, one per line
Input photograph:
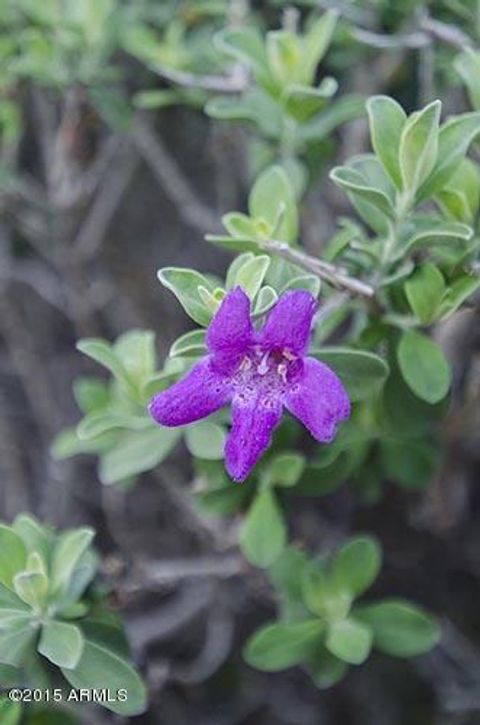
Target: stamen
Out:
[246,364]
[282,371]
[289,355]
[262,368]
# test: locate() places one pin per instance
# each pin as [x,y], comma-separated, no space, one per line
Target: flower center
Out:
[267,368]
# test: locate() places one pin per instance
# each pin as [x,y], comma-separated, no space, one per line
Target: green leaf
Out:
[95,424]
[467,64]
[325,669]
[460,197]
[254,106]
[455,137]
[350,640]
[345,109]
[31,587]
[286,575]
[400,628]
[424,291]
[158,98]
[266,298]
[136,452]
[10,712]
[362,373]
[428,234]
[357,564]
[233,244]
[205,440]
[419,146]
[69,548]
[316,42]
[458,292]
[16,641]
[236,264]
[263,536]
[67,444]
[10,601]
[239,225]
[184,284]
[247,46]
[190,344]
[284,54]
[387,119]
[136,350]
[304,281]
[100,667]
[103,353]
[278,646]
[410,462]
[352,181]
[83,573]
[423,366]
[303,102]
[284,469]
[322,594]
[272,195]
[90,394]
[13,555]
[61,643]
[251,274]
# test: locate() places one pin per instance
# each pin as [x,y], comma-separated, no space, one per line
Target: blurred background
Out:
[111,169]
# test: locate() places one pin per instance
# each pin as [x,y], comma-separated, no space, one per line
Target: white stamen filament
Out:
[246,364]
[262,368]
[282,371]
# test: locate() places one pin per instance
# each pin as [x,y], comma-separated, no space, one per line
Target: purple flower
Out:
[259,373]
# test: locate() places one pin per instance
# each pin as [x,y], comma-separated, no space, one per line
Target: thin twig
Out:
[324,270]
[159,573]
[217,646]
[172,180]
[447,33]
[39,278]
[349,11]
[401,40]
[235,82]
[104,206]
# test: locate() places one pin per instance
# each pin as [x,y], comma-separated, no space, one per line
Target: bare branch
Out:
[235,82]
[172,180]
[324,270]
[400,40]
[105,204]
[159,573]
[218,643]
[349,11]
[447,33]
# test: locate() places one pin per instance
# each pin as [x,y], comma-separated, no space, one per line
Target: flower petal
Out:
[253,421]
[201,392]
[231,329]
[318,399]
[288,324]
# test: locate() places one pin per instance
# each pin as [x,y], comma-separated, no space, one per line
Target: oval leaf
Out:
[423,366]
[263,535]
[399,628]
[362,373]
[278,646]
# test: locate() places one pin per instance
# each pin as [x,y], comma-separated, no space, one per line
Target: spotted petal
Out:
[231,330]
[201,392]
[253,421]
[288,324]
[318,399]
